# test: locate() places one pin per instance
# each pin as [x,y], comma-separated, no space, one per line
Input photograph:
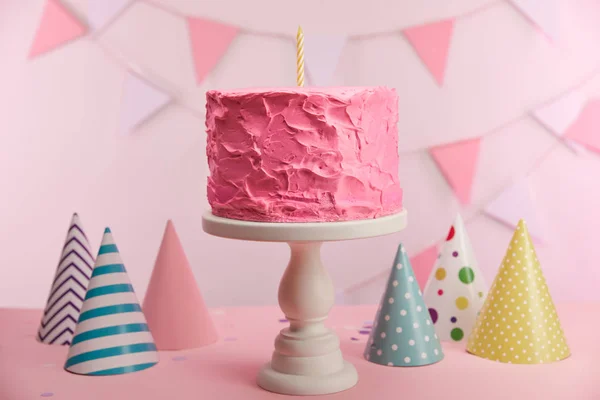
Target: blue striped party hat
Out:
[403,334]
[68,287]
[111,336]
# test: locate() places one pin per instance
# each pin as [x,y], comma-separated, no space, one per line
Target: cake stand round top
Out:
[302,231]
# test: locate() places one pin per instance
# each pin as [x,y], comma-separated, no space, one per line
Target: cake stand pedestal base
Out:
[307,359]
[279,382]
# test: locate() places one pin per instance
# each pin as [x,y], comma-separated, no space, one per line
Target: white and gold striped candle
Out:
[300,57]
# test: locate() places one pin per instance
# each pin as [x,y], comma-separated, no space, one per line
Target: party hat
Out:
[68,287]
[518,322]
[174,307]
[456,290]
[403,334]
[112,336]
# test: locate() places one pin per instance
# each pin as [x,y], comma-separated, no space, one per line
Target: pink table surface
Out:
[227,369]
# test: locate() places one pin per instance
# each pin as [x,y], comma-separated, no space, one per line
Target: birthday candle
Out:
[300,57]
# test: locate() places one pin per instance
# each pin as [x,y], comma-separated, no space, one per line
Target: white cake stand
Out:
[307,359]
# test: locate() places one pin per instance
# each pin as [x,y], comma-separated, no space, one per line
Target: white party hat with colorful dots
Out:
[518,323]
[456,290]
[403,334]
[112,336]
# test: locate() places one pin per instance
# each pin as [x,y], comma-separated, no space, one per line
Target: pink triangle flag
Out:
[513,204]
[321,55]
[544,14]
[458,162]
[423,264]
[432,44]
[140,100]
[586,129]
[174,308]
[101,13]
[209,40]
[57,27]
[559,114]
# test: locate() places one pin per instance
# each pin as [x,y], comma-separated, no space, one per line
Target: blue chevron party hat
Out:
[403,334]
[112,336]
[68,287]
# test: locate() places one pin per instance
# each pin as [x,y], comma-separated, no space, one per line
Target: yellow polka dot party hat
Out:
[518,323]
[456,289]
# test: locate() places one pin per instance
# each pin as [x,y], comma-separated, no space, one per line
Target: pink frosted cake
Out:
[303,154]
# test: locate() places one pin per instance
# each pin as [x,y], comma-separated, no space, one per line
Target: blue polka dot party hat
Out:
[455,290]
[403,334]
[112,336]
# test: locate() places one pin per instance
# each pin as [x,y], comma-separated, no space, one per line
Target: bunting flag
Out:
[586,129]
[518,323]
[100,13]
[456,288]
[543,14]
[558,115]
[57,27]
[68,287]
[174,308]
[321,55]
[140,101]
[432,44]
[457,162]
[423,264]
[112,336]
[514,203]
[209,40]
[403,334]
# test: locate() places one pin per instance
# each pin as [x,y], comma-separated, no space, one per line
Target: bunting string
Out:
[146,93]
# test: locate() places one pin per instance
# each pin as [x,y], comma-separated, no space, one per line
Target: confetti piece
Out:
[179,358]
[354,338]
[364,331]
[283,320]
[47,394]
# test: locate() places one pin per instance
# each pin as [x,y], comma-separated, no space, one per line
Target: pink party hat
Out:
[174,307]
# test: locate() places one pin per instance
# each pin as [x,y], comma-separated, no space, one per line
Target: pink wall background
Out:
[60,151]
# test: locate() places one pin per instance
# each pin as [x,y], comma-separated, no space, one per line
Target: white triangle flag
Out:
[100,13]
[559,114]
[140,101]
[321,55]
[544,14]
[513,204]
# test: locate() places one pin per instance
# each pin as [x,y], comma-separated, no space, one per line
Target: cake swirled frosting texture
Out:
[303,154]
